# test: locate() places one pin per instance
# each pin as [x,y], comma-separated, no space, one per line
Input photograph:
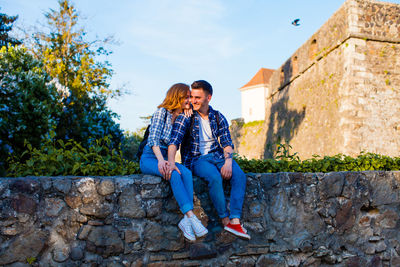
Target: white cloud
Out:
[183,30]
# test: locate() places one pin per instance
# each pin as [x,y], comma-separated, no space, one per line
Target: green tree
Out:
[29,102]
[6,23]
[72,61]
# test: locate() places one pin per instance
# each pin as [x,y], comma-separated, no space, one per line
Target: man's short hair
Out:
[201,84]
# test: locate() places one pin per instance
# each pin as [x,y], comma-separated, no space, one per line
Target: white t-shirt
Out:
[206,138]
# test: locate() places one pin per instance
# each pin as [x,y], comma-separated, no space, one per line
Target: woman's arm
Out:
[156,127]
[162,164]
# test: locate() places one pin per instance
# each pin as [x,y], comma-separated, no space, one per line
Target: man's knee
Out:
[214,180]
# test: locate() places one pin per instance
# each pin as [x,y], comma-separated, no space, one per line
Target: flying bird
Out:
[296,22]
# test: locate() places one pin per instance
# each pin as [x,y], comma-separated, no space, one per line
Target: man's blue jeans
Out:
[181,184]
[208,167]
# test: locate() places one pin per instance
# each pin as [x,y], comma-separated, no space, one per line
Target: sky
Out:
[162,42]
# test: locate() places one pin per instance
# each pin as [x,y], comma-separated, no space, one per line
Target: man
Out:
[209,155]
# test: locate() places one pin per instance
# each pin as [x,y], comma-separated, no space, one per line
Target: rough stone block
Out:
[331,185]
[171,239]
[130,204]
[199,251]
[131,236]
[62,185]
[107,240]
[153,207]
[22,247]
[24,204]
[24,185]
[76,253]
[100,210]
[84,231]
[106,187]
[54,206]
[270,260]
[73,201]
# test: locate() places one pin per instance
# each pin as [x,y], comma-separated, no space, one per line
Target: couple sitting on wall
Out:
[206,150]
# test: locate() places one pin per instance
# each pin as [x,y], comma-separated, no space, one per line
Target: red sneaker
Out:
[237,229]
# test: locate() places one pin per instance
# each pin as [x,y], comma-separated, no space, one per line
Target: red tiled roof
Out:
[261,77]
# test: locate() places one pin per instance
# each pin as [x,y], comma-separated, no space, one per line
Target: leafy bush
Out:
[340,162]
[71,158]
[87,119]
[29,102]
[130,145]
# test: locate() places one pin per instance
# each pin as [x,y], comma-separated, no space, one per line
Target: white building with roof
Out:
[254,94]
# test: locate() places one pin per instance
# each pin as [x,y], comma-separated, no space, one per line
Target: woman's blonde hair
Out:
[175,96]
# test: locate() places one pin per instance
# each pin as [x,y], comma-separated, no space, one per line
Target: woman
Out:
[154,159]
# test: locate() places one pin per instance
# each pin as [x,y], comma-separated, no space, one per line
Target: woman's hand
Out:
[188,112]
[163,167]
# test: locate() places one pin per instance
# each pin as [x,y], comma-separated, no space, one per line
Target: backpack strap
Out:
[143,143]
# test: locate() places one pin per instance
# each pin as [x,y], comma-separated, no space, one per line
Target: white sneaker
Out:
[186,227]
[197,226]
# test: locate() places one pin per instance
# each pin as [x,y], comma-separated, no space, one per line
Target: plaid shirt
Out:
[160,128]
[221,133]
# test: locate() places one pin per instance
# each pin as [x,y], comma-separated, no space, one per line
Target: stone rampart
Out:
[340,91]
[295,219]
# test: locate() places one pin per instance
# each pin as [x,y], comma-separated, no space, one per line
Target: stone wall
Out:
[340,91]
[248,138]
[295,219]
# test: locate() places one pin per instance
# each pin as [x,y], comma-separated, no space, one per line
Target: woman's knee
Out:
[184,171]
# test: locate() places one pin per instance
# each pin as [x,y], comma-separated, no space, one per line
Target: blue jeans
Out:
[181,184]
[208,167]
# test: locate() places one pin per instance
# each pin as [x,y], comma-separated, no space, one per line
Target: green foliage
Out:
[71,61]
[30,260]
[5,27]
[130,145]
[69,57]
[254,123]
[340,162]
[70,158]
[29,103]
[283,152]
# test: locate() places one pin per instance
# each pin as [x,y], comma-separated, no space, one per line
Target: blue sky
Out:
[162,42]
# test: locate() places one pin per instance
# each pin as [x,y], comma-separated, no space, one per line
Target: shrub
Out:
[130,145]
[29,103]
[340,162]
[71,158]
[87,119]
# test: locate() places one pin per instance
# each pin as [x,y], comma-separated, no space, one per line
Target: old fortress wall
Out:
[340,91]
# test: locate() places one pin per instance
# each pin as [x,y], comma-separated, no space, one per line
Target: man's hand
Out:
[171,167]
[226,170]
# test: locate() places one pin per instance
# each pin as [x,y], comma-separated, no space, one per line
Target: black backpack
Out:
[144,141]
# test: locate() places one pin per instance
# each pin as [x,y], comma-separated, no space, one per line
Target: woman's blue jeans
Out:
[181,184]
[208,167]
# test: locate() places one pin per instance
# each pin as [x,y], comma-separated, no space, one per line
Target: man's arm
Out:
[227,144]
[224,134]
[226,170]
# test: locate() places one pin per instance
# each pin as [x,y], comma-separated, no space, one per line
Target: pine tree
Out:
[6,23]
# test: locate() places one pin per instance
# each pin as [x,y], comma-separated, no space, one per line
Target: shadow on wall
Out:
[283,122]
